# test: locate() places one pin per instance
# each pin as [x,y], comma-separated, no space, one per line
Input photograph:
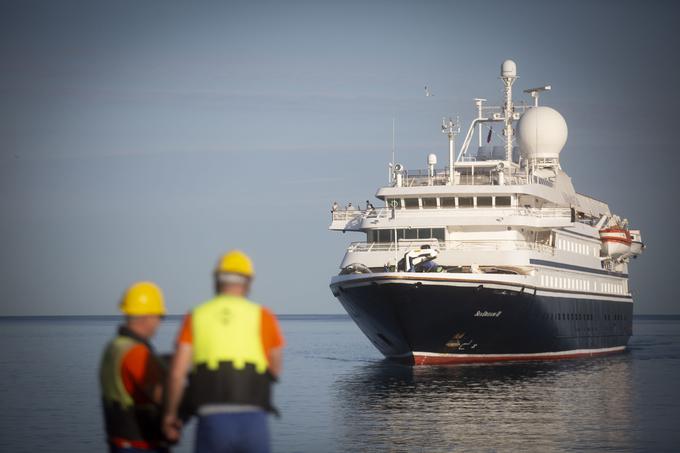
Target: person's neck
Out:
[232,292]
[138,330]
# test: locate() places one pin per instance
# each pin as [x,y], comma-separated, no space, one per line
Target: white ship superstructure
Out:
[499,219]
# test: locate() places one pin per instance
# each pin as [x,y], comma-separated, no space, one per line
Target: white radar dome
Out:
[432,159]
[508,69]
[542,133]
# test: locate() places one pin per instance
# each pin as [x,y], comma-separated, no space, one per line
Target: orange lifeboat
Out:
[616,242]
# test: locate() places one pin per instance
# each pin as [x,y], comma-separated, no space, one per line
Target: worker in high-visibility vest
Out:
[132,376]
[230,348]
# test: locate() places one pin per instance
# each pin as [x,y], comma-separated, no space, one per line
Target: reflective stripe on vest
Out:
[124,418]
[229,361]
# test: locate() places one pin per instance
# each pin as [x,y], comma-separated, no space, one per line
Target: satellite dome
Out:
[542,133]
[508,69]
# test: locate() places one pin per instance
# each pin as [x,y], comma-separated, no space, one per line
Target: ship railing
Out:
[346,215]
[419,178]
[385,212]
[545,212]
[406,245]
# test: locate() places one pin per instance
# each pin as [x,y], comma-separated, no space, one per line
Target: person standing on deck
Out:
[131,375]
[232,350]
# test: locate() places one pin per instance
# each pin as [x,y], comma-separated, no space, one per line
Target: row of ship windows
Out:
[405,233]
[579,284]
[448,202]
[577,247]
[583,316]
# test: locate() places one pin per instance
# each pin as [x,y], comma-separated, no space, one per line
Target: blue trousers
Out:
[238,432]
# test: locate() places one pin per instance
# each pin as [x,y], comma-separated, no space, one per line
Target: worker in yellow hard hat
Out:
[132,375]
[231,349]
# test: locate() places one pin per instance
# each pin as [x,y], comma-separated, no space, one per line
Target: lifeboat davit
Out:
[616,242]
[636,245]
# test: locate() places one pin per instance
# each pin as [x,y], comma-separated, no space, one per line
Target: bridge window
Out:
[424,233]
[393,203]
[429,203]
[465,202]
[384,235]
[449,202]
[407,234]
[502,201]
[411,203]
[484,202]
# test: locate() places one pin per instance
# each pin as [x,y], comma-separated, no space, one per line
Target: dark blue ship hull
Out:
[435,322]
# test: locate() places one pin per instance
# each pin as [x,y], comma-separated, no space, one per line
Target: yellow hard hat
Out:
[143,298]
[235,262]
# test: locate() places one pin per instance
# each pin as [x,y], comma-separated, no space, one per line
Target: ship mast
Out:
[451,129]
[508,76]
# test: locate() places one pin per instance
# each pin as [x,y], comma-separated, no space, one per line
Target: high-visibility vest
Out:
[230,365]
[125,419]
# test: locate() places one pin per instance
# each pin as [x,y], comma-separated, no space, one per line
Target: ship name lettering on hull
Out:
[488,314]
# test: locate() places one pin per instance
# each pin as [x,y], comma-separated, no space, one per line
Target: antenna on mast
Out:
[391,178]
[393,142]
[451,129]
[479,102]
[535,92]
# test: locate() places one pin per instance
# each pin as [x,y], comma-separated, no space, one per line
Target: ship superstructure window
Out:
[383,236]
[468,202]
[429,203]
[424,233]
[502,202]
[393,203]
[484,202]
[448,202]
[411,203]
[406,234]
[438,233]
[465,202]
[577,246]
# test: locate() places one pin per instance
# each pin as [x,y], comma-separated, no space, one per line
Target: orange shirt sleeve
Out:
[270,331]
[141,372]
[185,335]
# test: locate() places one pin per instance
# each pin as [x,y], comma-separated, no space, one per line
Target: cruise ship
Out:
[495,257]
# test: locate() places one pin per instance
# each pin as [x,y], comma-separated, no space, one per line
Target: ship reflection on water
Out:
[579,405]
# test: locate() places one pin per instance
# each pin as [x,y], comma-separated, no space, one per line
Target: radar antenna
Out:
[536,92]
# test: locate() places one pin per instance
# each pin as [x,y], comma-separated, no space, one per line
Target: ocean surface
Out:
[337,394]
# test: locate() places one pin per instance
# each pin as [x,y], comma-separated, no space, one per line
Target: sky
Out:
[141,140]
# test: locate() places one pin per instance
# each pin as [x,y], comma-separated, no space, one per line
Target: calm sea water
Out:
[337,394]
